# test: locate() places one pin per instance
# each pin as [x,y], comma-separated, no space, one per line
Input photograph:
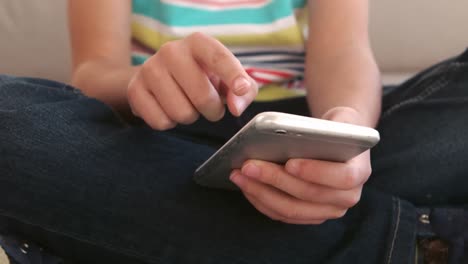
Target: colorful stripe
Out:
[265,35]
[172,14]
[219,4]
[150,37]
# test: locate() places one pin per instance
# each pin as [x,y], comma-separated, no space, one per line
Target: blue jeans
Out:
[92,188]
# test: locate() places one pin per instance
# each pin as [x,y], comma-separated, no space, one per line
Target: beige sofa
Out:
[406,36]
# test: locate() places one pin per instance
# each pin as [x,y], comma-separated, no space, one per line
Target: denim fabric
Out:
[21,252]
[90,187]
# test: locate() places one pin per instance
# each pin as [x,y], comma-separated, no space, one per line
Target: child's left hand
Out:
[304,191]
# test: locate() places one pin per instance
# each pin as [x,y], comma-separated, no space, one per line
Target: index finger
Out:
[215,58]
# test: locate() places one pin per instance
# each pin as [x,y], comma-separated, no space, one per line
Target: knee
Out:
[20,92]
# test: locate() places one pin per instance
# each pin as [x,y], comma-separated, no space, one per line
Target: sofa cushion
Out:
[34,39]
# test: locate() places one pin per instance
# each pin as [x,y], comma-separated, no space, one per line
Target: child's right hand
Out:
[189,77]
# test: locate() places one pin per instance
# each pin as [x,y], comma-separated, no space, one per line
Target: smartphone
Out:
[278,137]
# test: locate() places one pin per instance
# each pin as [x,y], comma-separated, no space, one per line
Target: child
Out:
[111,187]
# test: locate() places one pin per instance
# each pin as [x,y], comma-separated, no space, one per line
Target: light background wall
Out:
[406,36]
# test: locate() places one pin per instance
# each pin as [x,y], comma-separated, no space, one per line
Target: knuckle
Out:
[167,125]
[216,114]
[152,124]
[202,101]
[353,199]
[259,194]
[219,58]
[367,170]
[338,214]
[352,177]
[295,166]
[247,189]
[149,71]
[274,177]
[292,213]
[132,92]
[187,117]
[195,36]
[147,67]
[162,124]
[308,193]
[146,70]
[301,170]
[274,217]
[168,49]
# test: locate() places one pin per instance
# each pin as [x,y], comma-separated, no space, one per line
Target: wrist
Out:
[345,114]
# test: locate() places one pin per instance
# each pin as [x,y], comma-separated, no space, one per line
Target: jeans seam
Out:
[438,85]
[397,226]
[420,96]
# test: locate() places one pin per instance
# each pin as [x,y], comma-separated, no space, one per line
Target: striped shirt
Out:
[267,36]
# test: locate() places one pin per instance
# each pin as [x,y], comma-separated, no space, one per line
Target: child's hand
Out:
[305,191]
[189,77]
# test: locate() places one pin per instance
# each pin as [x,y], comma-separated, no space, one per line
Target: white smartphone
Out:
[278,137]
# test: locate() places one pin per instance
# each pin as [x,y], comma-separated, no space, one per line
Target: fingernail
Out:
[292,167]
[240,104]
[241,86]
[251,170]
[235,177]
